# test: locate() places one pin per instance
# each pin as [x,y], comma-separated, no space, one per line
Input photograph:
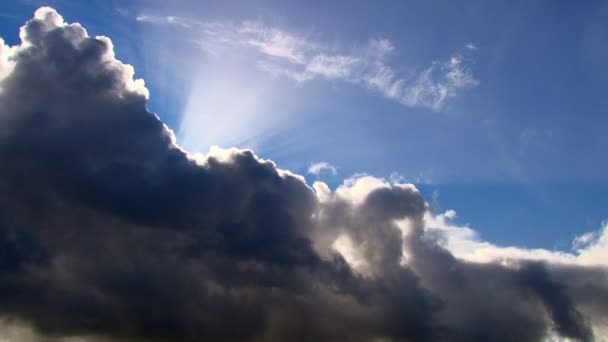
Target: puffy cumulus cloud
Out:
[109,231]
[6,63]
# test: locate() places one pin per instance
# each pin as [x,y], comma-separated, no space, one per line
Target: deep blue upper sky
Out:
[517,148]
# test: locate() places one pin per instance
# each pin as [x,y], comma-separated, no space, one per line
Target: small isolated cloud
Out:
[471,46]
[322,167]
[282,53]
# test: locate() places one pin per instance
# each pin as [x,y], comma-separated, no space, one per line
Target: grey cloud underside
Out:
[108,229]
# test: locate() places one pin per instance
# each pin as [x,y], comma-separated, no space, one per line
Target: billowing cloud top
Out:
[110,231]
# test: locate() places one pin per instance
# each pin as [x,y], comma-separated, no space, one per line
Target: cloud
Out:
[592,248]
[273,42]
[6,65]
[332,66]
[589,249]
[110,231]
[320,167]
[435,85]
[286,54]
[171,20]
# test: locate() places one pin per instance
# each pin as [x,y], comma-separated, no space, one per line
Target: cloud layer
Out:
[286,54]
[110,231]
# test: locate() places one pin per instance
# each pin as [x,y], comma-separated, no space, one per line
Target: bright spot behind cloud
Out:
[227,106]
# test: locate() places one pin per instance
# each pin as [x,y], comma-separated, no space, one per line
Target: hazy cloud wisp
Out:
[286,54]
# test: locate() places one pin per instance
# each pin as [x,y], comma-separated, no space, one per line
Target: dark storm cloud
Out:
[109,229]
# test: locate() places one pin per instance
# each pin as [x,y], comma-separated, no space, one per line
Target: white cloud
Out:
[380,47]
[590,249]
[273,42]
[594,250]
[422,177]
[6,64]
[430,88]
[351,254]
[356,188]
[169,20]
[471,46]
[321,167]
[426,91]
[458,75]
[298,57]
[438,83]
[336,66]
[383,79]
[584,240]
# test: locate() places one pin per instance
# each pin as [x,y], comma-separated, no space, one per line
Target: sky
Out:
[521,123]
[375,156]
[510,135]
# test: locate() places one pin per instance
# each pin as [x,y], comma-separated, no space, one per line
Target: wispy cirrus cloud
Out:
[286,54]
[169,19]
[273,42]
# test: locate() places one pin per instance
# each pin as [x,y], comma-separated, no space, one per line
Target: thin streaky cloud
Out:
[169,20]
[274,42]
[286,54]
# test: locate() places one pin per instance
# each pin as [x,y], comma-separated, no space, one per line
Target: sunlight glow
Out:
[227,106]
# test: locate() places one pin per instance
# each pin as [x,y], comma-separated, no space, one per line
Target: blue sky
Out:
[495,110]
